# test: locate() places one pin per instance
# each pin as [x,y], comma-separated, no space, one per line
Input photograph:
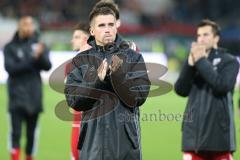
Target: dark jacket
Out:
[110,127]
[24,81]
[209,88]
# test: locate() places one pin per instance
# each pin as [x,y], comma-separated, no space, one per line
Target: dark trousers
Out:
[17,119]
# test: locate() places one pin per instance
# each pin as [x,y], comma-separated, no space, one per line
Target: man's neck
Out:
[20,35]
[99,43]
[209,50]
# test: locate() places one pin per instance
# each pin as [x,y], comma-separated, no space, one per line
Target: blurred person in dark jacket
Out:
[108,83]
[24,58]
[79,44]
[208,78]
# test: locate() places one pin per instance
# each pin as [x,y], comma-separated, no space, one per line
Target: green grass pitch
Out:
[161,136]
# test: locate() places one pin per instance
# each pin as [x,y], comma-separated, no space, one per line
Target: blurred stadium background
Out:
[159,26]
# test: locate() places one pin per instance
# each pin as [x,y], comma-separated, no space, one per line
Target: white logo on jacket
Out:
[20,53]
[215,62]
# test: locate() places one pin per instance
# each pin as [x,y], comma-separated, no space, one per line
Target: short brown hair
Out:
[100,11]
[215,27]
[110,4]
[83,26]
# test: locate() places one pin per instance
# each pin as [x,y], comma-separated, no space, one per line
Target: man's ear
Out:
[217,38]
[118,23]
[91,31]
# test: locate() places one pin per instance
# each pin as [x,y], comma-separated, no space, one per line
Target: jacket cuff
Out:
[202,63]
[98,83]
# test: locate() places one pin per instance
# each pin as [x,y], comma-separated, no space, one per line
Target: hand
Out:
[102,70]
[38,50]
[198,51]
[190,60]
[116,63]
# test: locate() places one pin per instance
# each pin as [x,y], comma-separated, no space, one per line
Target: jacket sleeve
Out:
[221,82]
[184,83]
[14,67]
[43,63]
[131,82]
[81,94]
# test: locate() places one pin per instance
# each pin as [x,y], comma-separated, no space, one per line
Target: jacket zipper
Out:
[196,141]
[198,123]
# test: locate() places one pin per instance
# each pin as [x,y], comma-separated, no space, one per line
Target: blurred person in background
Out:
[79,44]
[208,78]
[24,58]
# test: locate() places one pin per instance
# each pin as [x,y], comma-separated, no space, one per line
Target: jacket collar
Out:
[34,38]
[215,52]
[92,42]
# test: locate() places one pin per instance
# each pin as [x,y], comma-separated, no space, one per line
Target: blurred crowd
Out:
[169,25]
[137,12]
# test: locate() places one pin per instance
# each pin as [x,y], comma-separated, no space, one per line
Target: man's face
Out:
[26,27]
[206,37]
[79,39]
[104,29]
